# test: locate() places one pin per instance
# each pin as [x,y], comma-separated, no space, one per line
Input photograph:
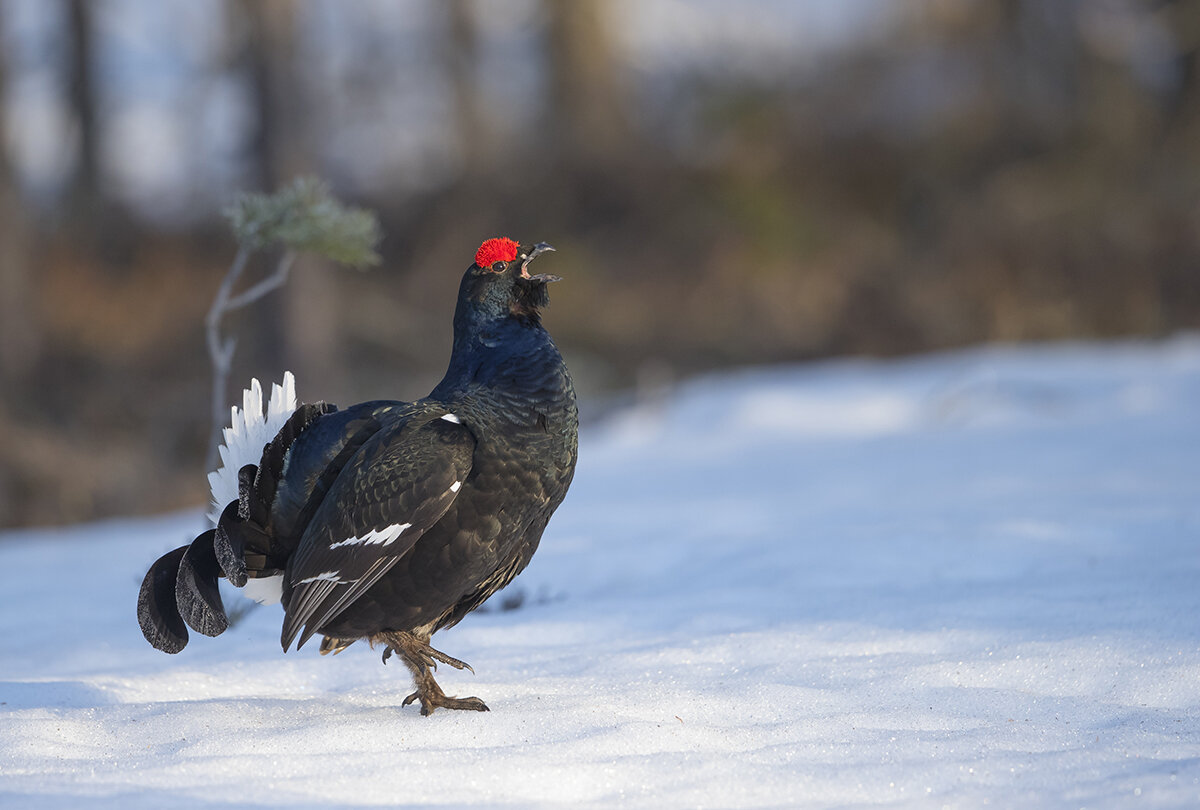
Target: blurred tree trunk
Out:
[590,123]
[1183,19]
[19,332]
[1033,70]
[278,140]
[83,193]
[304,315]
[1180,268]
[462,58]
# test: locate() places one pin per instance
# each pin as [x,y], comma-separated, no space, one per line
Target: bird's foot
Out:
[422,659]
[432,697]
[413,649]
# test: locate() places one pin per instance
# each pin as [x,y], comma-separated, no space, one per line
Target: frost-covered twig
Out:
[220,351]
[272,282]
[302,218]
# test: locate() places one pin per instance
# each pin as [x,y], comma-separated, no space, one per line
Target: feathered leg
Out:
[422,660]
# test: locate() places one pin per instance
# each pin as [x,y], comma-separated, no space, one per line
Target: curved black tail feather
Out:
[180,589]
[196,590]
[229,546]
[158,610]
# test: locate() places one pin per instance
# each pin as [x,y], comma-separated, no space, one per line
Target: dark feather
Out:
[196,589]
[248,506]
[314,461]
[261,496]
[405,475]
[158,612]
[229,544]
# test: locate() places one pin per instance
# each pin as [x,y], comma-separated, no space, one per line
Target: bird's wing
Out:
[400,483]
[294,477]
[277,497]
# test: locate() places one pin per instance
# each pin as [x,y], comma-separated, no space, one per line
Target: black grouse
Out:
[392,520]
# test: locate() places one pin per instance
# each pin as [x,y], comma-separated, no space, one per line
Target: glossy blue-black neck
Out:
[498,335]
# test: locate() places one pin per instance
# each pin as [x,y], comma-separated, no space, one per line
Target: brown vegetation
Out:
[985,172]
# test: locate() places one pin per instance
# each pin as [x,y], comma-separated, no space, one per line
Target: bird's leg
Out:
[421,660]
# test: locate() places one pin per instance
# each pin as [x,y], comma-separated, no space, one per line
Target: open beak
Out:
[539,248]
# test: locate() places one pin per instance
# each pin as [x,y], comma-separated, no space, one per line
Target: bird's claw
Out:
[438,655]
[439,700]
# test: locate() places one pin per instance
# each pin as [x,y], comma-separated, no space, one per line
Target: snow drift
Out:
[957,580]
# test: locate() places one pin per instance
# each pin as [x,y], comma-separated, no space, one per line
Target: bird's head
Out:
[499,284]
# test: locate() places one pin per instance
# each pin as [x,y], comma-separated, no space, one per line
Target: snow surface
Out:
[955,581]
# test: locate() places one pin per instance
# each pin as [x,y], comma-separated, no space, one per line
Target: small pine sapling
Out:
[301,218]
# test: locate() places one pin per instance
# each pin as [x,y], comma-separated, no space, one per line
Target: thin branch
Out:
[272,282]
[221,351]
[302,218]
[212,321]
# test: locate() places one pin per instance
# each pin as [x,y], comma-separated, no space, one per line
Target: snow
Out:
[953,581]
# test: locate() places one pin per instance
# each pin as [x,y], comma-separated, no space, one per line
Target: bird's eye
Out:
[500,266]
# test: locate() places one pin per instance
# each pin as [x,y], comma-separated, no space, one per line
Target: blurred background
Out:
[726,183]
